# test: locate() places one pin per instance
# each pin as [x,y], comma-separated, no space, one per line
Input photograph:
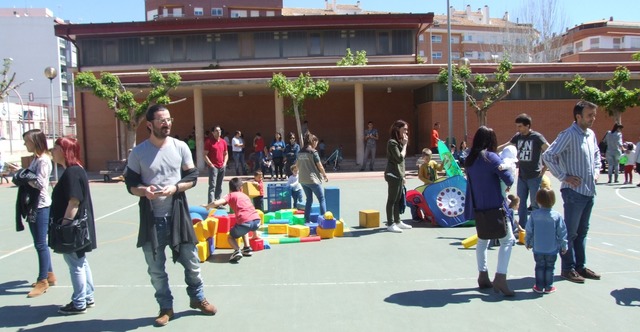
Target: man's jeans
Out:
[81,279]
[544,270]
[216,176]
[369,155]
[577,212]
[309,191]
[527,188]
[238,161]
[188,258]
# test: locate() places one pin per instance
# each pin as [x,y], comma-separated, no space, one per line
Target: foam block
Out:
[298,231]
[315,208]
[224,224]
[470,241]
[199,210]
[313,217]
[268,217]
[326,223]
[284,214]
[196,217]
[310,239]
[298,219]
[278,228]
[211,227]
[232,219]
[200,231]
[369,218]
[203,251]
[261,214]
[279,221]
[220,212]
[250,189]
[222,241]
[332,200]
[325,233]
[212,245]
[312,228]
[339,228]
[256,244]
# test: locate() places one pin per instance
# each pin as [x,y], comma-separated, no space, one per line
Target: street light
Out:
[51,73]
[465,63]
[449,74]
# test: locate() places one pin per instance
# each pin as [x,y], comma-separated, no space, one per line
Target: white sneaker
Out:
[402,225]
[394,228]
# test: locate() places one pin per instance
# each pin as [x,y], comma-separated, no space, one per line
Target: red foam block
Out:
[310,239]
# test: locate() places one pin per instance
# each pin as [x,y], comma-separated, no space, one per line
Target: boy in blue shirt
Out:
[546,235]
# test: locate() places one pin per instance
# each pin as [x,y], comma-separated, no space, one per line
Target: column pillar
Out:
[359,114]
[279,114]
[198,122]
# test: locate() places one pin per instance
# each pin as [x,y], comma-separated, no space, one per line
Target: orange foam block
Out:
[369,218]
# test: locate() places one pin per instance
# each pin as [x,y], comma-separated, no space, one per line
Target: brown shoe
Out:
[573,276]
[588,274]
[204,306]
[164,317]
[40,288]
[500,285]
[483,280]
[51,278]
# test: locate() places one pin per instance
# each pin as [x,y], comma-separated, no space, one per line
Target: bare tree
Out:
[550,21]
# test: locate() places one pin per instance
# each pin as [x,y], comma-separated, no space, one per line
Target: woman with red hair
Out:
[71,200]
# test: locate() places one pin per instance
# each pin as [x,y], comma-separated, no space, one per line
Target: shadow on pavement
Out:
[11,287]
[95,325]
[626,296]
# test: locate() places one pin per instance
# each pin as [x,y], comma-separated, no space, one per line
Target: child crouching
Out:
[546,235]
[247,218]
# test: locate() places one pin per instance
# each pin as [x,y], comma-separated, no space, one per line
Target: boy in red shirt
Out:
[247,219]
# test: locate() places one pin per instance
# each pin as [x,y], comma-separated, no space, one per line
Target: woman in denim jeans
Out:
[311,173]
[36,143]
[71,199]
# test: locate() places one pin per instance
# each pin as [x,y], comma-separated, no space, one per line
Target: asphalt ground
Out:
[370,280]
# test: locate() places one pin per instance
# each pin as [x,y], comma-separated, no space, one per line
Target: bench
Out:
[115,169]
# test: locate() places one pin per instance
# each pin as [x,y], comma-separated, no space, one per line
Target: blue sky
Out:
[98,11]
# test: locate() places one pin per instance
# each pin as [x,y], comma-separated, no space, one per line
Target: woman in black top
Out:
[71,200]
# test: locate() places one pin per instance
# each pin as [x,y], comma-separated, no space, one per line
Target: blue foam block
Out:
[279,221]
[332,200]
[199,210]
[195,217]
[313,217]
[221,212]
[315,208]
[312,228]
[326,223]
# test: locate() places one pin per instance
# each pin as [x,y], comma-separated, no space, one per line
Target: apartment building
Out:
[198,9]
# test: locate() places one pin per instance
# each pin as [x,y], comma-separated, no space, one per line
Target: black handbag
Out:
[72,237]
[490,223]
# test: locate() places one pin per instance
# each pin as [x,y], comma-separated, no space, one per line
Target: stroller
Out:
[334,159]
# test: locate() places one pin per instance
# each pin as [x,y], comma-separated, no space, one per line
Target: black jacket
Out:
[182,227]
[27,200]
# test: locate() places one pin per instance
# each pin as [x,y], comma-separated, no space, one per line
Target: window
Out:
[198,11]
[436,55]
[535,91]
[455,40]
[455,55]
[421,38]
[467,37]
[255,13]
[384,41]
[271,13]
[595,42]
[634,42]
[468,55]
[216,11]
[238,13]
[617,43]
[436,39]
[421,53]
[578,47]
[315,43]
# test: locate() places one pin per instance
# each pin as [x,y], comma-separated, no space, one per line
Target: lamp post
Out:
[51,74]
[465,62]
[449,74]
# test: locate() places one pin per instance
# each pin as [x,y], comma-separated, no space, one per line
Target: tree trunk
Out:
[482,117]
[129,140]
[297,114]
[617,117]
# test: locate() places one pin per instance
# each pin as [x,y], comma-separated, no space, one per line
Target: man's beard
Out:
[162,132]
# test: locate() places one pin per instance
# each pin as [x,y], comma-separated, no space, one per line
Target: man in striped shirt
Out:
[574,158]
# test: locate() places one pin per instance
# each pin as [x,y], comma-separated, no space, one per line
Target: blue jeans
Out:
[81,279]
[297,197]
[527,188]
[544,270]
[577,212]
[216,176]
[39,231]
[613,165]
[238,161]
[188,257]
[309,191]
[369,155]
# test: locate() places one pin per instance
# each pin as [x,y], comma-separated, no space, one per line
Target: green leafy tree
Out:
[615,101]
[480,93]
[123,102]
[636,56]
[6,84]
[360,59]
[298,91]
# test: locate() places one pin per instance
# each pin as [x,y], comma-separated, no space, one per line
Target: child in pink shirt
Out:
[247,218]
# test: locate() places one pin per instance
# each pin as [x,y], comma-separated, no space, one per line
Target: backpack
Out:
[603,144]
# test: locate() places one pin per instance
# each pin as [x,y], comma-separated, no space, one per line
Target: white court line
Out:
[607,244]
[623,216]
[97,219]
[626,199]
[632,250]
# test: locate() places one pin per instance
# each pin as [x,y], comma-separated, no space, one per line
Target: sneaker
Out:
[236,256]
[588,274]
[550,290]
[91,304]
[402,225]
[537,290]
[573,276]
[204,306]
[394,229]
[247,251]
[70,309]
[164,316]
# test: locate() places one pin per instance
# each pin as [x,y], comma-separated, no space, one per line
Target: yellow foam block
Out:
[212,212]
[201,233]
[369,218]
[250,189]
[261,214]
[203,250]
[298,231]
[521,237]
[339,231]
[325,233]
[211,225]
[222,241]
[278,229]
[470,241]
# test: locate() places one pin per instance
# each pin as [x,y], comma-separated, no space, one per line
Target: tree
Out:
[549,21]
[123,102]
[6,84]
[636,56]
[615,101]
[298,90]
[479,92]
[360,59]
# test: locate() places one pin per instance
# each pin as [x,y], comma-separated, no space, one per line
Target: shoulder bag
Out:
[490,223]
[72,237]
